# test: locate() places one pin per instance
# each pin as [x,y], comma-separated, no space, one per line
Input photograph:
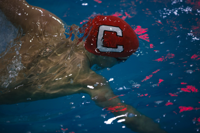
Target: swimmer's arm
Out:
[21,91]
[104,97]
[21,94]
[31,18]
[26,91]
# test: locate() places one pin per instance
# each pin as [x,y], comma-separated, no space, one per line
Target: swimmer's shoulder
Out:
[31,18]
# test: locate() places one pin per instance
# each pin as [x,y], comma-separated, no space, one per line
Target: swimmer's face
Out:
[104,61]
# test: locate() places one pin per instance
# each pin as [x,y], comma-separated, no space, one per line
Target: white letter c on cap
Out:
[100,46]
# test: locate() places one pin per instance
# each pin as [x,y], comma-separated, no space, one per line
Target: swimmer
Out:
[55,66]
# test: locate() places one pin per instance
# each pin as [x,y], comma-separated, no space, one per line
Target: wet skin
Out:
[54,66]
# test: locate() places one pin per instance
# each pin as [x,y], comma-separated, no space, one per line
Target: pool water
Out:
[161,80]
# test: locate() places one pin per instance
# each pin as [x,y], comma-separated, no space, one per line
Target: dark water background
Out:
[169,55]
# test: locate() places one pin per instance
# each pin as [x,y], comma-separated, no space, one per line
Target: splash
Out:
[173,95]
[151,46]
[196,29]
[168,56]
[189,88]
[195,57]
[194,3]
[168,103]
[98,1]
[89,18]
[156,71]
[142,95]
[183,108]
[117,14]
[160,59]
[198,119]
[139,30]
[183,83]
[64,129]
[148,77]
[160,80]
[175,11]
[145,37]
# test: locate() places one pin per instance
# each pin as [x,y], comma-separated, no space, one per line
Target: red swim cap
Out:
[110,36]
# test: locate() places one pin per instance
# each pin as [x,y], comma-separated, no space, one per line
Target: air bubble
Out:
[71,81]
[131,115]
[189,71]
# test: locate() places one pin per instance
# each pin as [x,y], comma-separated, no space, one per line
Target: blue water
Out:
[173,28]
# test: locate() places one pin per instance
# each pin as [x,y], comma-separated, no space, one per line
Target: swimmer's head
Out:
[110,36]
[110,39]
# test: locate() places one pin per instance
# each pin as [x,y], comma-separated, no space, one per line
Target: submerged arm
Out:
[104,97]
[21,93]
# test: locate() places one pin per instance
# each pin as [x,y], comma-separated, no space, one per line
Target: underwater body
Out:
[161,80]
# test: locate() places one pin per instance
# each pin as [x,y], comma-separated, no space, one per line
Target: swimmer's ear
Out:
[31,18]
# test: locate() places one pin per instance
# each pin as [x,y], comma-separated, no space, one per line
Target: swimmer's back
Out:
[51,74]
[50,61]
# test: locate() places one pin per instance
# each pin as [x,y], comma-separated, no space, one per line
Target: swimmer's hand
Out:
[142,124]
